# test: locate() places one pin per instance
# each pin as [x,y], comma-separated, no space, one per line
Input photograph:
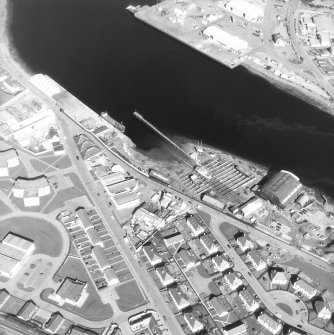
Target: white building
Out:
[194,223]
[256,259]
[323,310]
[269,323]
[209,245]
[251,10]
[251,206]
[248,300]
[147,218]
[244,243]
[180,299]
[152,255]
[233,281]
[110,276]
[238,330]
[165,277]
[225,39]
[31,190]
[221,263]
[279,278]
[304,288]
[193,324]
[8,159]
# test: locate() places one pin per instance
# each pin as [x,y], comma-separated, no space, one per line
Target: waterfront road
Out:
[146,280]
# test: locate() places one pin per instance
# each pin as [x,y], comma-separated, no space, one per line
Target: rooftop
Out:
[71,289]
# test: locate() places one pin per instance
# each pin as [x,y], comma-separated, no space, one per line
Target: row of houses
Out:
[51,323]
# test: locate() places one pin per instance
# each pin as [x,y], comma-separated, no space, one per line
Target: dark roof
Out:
[71,289]
[27,310]
[76,330]
[280,188]
[54,322]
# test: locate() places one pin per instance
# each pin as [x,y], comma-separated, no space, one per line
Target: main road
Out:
[140,274]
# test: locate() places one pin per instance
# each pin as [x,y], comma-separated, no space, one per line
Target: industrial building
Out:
[125,200]
[225,39]
[31,190]
[281,188]
[250,207]
[8,159]
[251,10]
[147,218]
[13,251]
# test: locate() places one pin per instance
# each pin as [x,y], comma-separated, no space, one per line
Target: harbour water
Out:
[111,61]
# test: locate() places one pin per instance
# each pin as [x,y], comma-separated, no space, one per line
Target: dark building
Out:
[280,189]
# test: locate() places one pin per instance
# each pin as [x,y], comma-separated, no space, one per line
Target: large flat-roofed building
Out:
[9,267]
[125,200]
[251,10]
[226,39]
[19,243]
[148,218]
[124,185]
[112,178]
[71,291]
[31,190]
[281,188]
[250,207]
[8,159]
[13,250]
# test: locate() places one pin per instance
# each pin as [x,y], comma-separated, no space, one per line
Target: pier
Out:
[184,156]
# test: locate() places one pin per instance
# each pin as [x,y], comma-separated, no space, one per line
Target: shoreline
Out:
[8,51]
[290,89]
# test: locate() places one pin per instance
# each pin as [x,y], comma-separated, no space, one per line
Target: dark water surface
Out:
[111,61]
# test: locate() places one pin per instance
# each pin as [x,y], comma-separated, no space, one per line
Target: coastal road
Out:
[118,233]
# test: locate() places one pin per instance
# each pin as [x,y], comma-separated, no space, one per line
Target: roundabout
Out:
[289,304]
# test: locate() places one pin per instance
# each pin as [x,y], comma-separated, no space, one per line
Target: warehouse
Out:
[281,188]
[225,39]
[251,10]
[13,250]
[251,206]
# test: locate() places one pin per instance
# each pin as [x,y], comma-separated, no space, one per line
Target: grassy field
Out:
[46,237]
[130,296]
[93,308]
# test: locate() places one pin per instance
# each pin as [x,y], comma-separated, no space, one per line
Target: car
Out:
[249,273]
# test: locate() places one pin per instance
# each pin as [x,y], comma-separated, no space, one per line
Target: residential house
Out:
[165,277]
[194,223]
[248,300]
[192,322]
[209,245]
[256,259]
[323,310]
[269,323]
[221,263]
[218,306]
[304,288]
[244,243]
[152,255]
[233,281]
[180,299]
